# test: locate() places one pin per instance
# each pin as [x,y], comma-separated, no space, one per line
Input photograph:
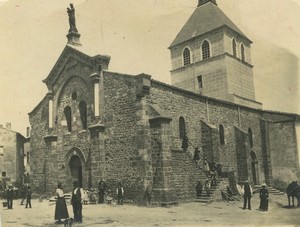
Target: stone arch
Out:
[190,55]
[62,88]
[65,97]
[76,162]
[205,44]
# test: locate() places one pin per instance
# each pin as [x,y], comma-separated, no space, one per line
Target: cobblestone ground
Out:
[185,214]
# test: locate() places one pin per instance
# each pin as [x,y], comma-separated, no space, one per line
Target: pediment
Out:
[69,58]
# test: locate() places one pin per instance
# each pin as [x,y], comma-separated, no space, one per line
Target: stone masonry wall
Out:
[195,109]
[39,128]
[185,176]
[283,150]
[123,161]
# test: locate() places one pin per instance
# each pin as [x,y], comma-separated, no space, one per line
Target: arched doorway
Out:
[254,165]
[76,168]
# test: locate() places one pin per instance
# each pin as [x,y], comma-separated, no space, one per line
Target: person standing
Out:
[207,187]
[10,196]
[77,201]
[28,197]
[199,189]
[264,198]
[148,193]
[61,210]
[196,154]
[206,167]
[247,190]
[101,190]
[23,194]
[120,193]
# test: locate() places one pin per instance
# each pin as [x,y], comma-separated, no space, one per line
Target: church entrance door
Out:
[76,169]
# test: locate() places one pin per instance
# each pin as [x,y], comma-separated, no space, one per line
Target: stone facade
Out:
[96,124]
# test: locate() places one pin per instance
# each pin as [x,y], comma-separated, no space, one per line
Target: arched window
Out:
[186,56]
[234,48]
[68,116]
[181,128]
[250,137]
[205,50]
[83,114]
[221,134]
[242,52]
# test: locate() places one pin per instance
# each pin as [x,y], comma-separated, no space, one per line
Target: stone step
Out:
[202,200]
[271,190]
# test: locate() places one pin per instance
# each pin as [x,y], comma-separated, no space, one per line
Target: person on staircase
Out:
[206,167]
[207,187]
[199,189]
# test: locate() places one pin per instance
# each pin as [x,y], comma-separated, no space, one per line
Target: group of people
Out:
[77,200]
[103,190]
[199,188]
[25,194]
[247,193]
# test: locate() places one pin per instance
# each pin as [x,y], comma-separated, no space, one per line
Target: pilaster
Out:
[163,189]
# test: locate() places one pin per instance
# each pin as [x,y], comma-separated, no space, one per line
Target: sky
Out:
[136,34]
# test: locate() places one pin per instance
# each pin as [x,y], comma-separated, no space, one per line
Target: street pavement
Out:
[184,214]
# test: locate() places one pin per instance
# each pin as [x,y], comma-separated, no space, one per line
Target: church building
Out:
[94,123]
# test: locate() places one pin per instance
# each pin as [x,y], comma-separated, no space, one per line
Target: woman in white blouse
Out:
[61,211]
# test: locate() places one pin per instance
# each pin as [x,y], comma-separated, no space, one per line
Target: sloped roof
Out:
[205,18]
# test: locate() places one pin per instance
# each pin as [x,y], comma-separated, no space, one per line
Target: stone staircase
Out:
[207,199]
[272,191]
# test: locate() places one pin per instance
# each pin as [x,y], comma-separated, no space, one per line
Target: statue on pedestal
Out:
[71,13]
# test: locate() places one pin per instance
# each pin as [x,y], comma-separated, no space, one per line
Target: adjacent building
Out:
[12,156]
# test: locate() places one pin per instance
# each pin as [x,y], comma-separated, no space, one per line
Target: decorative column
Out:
[50,108]
[163,190]
[96,82]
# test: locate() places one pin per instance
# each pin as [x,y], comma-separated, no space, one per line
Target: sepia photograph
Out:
[149,113]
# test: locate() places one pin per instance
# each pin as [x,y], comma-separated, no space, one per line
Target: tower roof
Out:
[205,18]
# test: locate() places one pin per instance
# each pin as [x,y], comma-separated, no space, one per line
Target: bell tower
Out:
[212,56]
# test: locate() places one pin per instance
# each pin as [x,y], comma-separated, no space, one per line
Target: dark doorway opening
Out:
[254,168]
[76,169]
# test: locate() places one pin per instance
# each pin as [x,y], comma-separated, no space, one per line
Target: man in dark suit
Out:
[10,196]
[77,201]
[247,190]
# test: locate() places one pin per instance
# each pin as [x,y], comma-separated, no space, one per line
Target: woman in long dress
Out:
[61,210]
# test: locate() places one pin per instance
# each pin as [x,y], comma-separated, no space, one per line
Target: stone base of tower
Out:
[164,197]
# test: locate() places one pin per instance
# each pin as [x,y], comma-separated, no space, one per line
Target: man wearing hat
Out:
[247,190]
[264,198]
[10,196]
[77,201]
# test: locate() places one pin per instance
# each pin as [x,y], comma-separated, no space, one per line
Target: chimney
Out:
[8,125]
[27,132]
